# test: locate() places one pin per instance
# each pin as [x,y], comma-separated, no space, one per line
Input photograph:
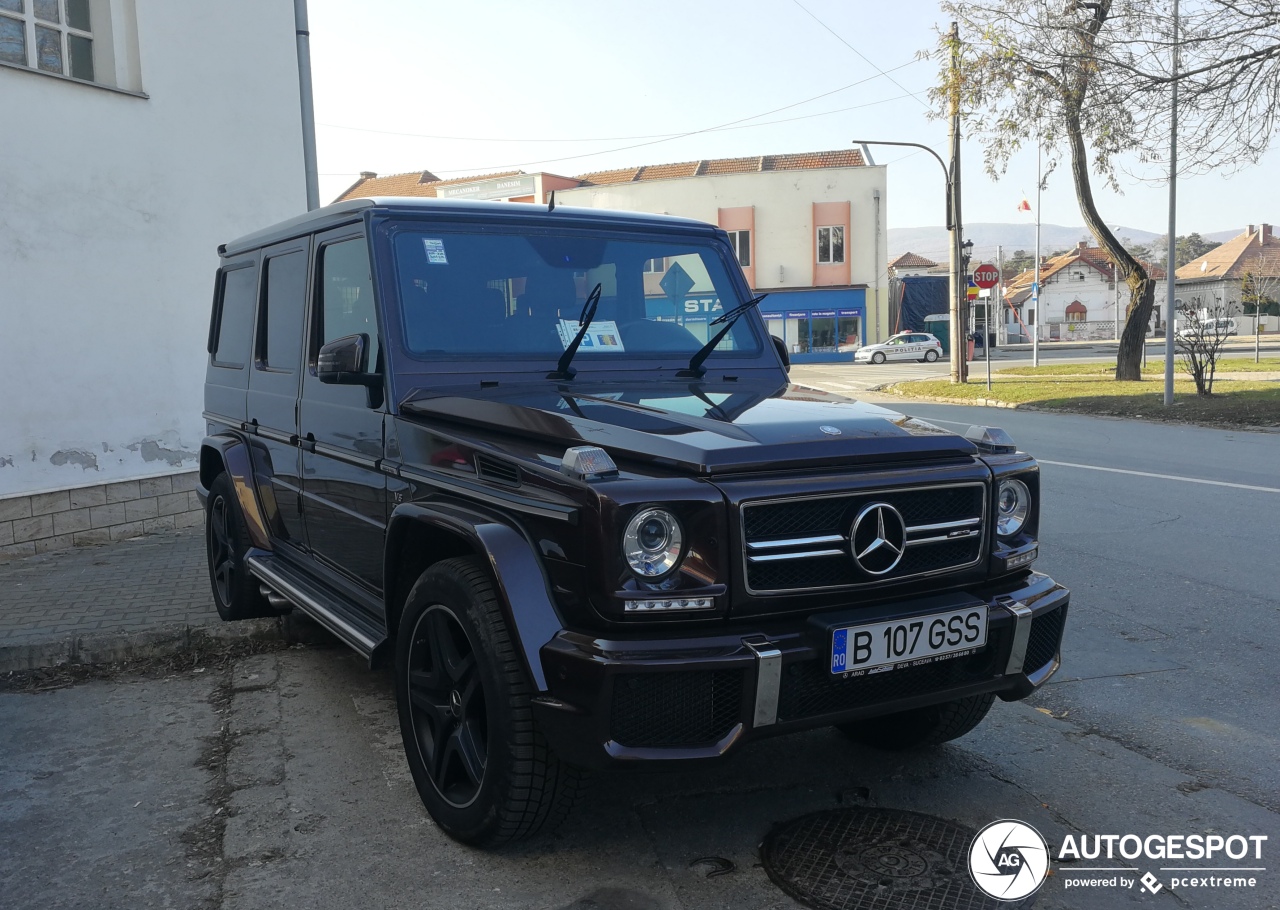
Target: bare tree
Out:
[1200,338]
[1090,80]
[1259,290]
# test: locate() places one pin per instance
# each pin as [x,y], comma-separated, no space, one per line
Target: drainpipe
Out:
[308,108]
[876,266]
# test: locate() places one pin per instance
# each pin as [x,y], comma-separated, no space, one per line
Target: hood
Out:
[700,428]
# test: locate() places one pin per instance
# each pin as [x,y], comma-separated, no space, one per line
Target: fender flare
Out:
[524,591]
[237,461]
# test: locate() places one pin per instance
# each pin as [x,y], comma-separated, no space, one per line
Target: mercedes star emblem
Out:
[878,538]
[830,430]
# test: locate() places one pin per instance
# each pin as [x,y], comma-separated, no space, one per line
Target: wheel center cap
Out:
[455,703]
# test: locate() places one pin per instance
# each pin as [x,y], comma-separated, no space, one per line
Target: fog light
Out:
[669,604]
[1022,559]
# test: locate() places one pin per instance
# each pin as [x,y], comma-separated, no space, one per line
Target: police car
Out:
[903,346]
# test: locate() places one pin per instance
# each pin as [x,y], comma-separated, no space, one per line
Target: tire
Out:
[482,769]
[877,357]
[930,356]
[921,727]
[236,593]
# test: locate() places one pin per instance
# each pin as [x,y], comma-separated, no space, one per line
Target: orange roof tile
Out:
[424,183]
[912,261]
[415,183]
[1093,256]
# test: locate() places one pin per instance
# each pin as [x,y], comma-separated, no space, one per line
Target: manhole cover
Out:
[876,859]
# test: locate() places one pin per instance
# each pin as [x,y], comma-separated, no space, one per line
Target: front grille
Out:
[675,709]
[809,690]
[805,543]
[1046,635]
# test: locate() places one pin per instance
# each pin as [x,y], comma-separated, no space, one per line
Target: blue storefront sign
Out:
[816,325]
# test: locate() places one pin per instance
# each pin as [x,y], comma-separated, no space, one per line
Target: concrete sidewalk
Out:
[144,597]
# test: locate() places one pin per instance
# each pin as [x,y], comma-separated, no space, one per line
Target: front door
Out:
[344,491]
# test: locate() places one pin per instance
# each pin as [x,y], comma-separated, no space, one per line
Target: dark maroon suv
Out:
[549,463]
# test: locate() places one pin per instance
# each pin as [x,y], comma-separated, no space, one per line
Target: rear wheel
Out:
[236,592]
[877,357]
[482,769]
[930,356]
[929,726]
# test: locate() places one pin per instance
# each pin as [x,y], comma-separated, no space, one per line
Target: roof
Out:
[1092,256]
[1256,250]
[424,183]
[912,261]
[352,210]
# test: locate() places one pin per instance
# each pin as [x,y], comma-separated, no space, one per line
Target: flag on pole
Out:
[1024,205]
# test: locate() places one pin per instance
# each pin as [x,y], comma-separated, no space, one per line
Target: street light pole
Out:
[952,216]
[1171,265]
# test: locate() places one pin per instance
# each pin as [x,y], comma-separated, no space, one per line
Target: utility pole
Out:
[303,34]
[1035,287]
[996,296]
[1172,265]
[959,345]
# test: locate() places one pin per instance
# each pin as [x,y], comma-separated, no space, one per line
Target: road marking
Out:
[1212,483]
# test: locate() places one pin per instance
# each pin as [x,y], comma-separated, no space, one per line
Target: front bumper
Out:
[623,702]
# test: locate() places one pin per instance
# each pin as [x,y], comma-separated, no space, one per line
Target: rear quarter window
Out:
[233,314]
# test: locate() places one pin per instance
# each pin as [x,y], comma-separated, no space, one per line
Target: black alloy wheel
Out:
[481,766]
[236,592]
[450,720]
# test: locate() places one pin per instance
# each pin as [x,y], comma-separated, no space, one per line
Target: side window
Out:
[235,316]
[280,319]
[346,295]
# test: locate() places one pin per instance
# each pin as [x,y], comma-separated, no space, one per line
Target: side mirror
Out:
[782,352]
[345,361]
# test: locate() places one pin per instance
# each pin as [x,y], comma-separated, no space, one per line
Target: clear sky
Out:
[463,87]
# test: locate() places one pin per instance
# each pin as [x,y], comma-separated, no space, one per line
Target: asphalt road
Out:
[279,779]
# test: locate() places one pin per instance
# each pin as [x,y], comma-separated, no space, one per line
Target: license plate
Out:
[910,642]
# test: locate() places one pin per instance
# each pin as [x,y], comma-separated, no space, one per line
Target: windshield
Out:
[514,296]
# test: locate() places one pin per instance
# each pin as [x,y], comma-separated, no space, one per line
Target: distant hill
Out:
[931,242]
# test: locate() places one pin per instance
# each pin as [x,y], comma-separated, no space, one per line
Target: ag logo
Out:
[1008,860]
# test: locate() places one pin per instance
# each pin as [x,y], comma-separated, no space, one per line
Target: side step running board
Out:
[344,621]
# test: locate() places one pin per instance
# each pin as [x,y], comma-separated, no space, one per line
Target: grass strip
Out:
[1235,403]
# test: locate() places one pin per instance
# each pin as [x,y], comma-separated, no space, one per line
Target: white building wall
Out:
[1092,290]
[783,202]
[111,210]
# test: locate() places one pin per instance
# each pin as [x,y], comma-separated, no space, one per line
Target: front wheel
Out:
[483,771]
[929,726]
[877,357]
[930,356]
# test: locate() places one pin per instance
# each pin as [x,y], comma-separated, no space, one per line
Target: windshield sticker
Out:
[435,250]
[603,336]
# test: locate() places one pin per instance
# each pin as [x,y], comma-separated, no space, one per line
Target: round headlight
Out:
[652,543]
[1013,508]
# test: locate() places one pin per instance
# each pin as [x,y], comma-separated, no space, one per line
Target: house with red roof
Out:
[1217,277]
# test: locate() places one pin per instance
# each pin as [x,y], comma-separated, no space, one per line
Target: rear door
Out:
[274,383]
[341,427]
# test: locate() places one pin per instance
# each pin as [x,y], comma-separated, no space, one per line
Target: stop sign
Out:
[986,276]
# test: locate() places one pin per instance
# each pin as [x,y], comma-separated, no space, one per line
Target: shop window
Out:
[741,242]
[830,245]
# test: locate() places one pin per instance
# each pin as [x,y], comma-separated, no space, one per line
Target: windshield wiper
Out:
[695,370]
[562,370]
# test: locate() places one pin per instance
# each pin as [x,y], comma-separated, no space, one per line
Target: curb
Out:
[973,402]
[160,641]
